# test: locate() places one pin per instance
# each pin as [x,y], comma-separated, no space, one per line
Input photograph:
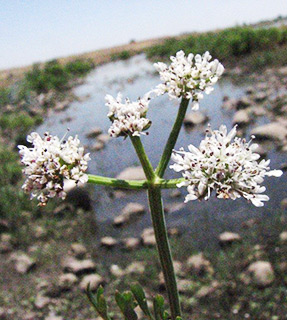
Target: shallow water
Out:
[133,78]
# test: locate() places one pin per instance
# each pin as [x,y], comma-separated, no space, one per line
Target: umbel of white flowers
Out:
[128,117]
[49,162]
[188,77]
[225,164]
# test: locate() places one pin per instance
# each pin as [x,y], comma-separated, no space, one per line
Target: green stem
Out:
[160,230]
[133,184]
[172,138]
[147,167]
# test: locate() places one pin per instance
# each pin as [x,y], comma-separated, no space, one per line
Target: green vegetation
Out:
[230,44]
[124,55]
[55,76]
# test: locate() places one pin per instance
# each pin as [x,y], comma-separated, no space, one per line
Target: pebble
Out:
[108,242]
[93,279]
[78,267]
[227,238]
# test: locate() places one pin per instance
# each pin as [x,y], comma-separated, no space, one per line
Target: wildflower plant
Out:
[223,163]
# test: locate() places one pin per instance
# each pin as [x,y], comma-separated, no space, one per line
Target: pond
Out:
[133,78]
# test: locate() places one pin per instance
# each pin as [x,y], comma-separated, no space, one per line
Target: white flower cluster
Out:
[226,164]
[49,162]
[128,117]
[189,76]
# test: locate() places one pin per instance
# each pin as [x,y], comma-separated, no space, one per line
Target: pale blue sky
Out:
[38,30]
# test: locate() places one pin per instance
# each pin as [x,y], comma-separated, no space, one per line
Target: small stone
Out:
[39,232]
[131,243]
[260,96]
[261,273]
[241,118]
[67,281]
[148,237]
[94,133]
[103,138]
[132,173]
[197,264]
[175,193]
[229,104]
[78,267]
[173,232]
[174,207]
[23,263]
[185,286]
[283,236]
[283,71]
[116,271]
[135,267]
[108,242]
[195,118]
[41,302]
[227,238]
[79,250]
[270,131]
[93,279]
[97,146]
[243,103]
[120,220]
[284,203]
[133,208]
[206,291]
[4,225]
[52,316]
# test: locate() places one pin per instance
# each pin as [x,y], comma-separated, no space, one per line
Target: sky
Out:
[38,30]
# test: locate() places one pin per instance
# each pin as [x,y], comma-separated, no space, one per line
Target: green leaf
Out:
[126,304]
[158,305]
[140,297]
[98,301]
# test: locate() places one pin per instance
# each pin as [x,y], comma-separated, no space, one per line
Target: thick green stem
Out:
[147,167]
[160,230]
[172,138]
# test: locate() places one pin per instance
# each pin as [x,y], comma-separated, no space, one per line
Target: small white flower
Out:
[49,162]
[225,164]
[128,117]
[189,76]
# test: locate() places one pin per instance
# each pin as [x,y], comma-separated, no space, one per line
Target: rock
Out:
[78,250]
[97,146]
[108,242]
[173,232]
[178,268]
[103,138]
[93,279]
[249,90]
[185,286]
[206,291]
[228,238]
[5,243]
[198,265]
[135,267]
[243,103]
[272,131]
[23,263]
[229,104]
[148,237]
[94,133]
[260,96]
[41,302]
[284,203]
[261,151]
[195,118]
[173,207]
[175,193]
[39,232]
[132,173]
[283,236]
[67,281]
[52,316]
[282,71]
[131,210]
[117,271]
[131,243]
[261,273]
[241,118]
[78,267]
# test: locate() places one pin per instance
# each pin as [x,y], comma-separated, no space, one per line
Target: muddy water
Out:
[133,78]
